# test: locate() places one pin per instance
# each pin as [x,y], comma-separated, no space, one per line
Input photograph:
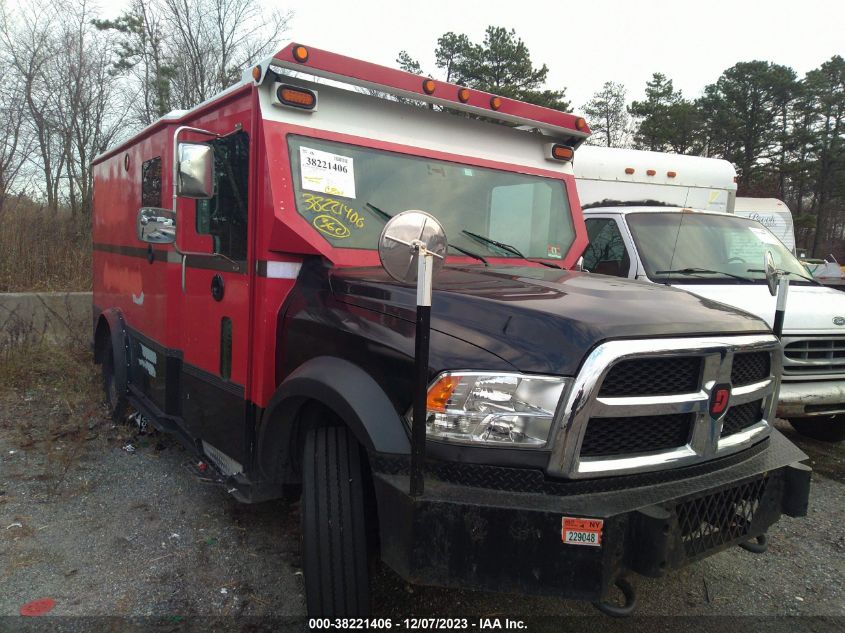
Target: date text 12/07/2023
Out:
[417,624]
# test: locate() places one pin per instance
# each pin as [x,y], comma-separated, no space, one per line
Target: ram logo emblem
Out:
[838,320]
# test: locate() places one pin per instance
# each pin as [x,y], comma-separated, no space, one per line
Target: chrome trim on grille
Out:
[798,365]
[582,403]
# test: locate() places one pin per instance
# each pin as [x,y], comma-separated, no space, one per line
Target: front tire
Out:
[115,400]
[334,534]
[825,428]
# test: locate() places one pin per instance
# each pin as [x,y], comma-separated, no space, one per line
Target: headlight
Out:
[512,410]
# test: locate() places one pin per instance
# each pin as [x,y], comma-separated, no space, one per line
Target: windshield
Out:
[344,191]
[707,246]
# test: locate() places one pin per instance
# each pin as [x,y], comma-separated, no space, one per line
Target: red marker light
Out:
[629,170]
[719,400]
[671,174]
[650,172]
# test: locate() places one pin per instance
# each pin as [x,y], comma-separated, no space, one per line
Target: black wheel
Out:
[334,534]
[826,428]
[114,399]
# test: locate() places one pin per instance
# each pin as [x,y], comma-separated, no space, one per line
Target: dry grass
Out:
[66,370]
[42,251]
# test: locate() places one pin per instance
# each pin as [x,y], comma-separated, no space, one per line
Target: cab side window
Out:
[606,253]
[224,216]
[151,182]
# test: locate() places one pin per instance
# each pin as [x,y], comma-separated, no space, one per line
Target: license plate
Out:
[577,531]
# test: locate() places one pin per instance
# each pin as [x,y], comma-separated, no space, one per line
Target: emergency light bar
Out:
[403,84]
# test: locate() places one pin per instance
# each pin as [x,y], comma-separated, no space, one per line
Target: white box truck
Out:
[669,219]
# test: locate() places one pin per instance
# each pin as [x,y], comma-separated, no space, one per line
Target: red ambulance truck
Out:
[579,428]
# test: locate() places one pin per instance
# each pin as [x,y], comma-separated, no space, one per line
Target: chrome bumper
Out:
[821,398]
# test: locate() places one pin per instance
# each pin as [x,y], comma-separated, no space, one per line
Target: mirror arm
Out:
[175,177]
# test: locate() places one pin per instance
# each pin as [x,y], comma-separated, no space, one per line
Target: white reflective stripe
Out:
[425,269]
[283,270]
[783,291]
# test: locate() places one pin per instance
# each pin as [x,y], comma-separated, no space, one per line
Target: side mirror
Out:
[195,173]
[771,273]
[156,226]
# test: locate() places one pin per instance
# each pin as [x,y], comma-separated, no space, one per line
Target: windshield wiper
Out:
[700,271]
[386,216]
[508,247]
[788,272]
[470,253]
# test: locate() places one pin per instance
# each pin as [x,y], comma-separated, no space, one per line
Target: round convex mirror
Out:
[400,239]
[771,273]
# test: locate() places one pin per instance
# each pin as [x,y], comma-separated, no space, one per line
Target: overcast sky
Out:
[587,43]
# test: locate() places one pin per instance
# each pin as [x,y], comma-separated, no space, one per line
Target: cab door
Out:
[215,308]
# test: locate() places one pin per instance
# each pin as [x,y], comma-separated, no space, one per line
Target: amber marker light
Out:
[495,102]
[440,392]
[562,152]
[300,54]
[581,124]
[297,97]
[256,73]
[429,86]
[463,95]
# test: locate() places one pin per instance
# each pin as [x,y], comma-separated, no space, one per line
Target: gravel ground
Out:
[108,532]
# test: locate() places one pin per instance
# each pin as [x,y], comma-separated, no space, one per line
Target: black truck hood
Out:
[540,319]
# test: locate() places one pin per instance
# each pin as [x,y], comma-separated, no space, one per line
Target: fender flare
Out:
[346,389]
[120,344]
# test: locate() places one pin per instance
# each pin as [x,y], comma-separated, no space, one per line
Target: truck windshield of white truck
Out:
[707,246]
[347,193]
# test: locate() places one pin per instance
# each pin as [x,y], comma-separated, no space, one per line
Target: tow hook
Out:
[625,610]
[757,545]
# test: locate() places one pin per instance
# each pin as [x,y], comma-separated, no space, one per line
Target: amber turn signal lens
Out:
[440,392]
[429,86]
[463,95]
[562,152]
[256,72]
[298,97]
[495,102]
[629,170]
[300,54]
[580,124]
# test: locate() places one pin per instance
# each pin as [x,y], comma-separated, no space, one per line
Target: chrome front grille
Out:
[636,434]
[599,434]
[820,356]
[652,376]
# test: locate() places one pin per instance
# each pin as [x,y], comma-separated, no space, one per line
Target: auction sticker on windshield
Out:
[327,173]
[575,531]
[764,235]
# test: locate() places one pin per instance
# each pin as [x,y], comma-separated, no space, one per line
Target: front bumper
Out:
[499,540]
[804,399]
